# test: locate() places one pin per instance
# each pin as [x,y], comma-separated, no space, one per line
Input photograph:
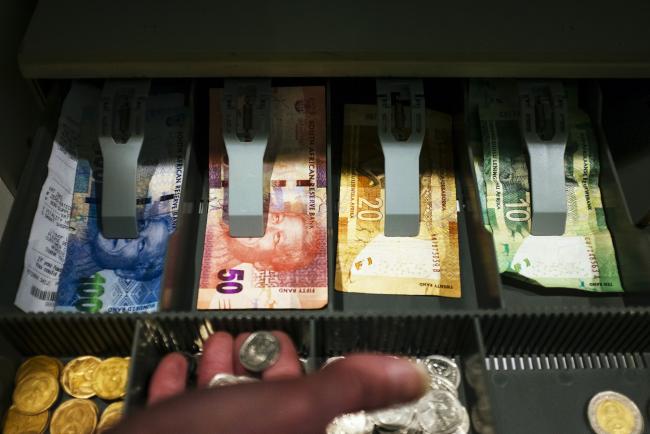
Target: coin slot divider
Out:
[631,243]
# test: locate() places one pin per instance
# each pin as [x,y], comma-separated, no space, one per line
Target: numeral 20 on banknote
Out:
[370,215]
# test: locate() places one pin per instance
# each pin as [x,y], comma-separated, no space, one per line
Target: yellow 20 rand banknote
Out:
[287,267]
[368,261]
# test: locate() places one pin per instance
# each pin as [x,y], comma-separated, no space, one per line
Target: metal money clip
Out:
[246,111]
[121,133]
[544,130]
[401,126]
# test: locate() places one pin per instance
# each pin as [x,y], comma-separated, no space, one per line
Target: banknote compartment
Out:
[632,246]
[542,369]
[61,336]
[178,267]
[203,119]
[441,95]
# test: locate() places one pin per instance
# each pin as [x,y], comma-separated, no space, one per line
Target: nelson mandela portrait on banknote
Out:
[125,275]
[287,266]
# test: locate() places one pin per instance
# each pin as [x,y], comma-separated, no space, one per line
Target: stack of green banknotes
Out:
[584,257]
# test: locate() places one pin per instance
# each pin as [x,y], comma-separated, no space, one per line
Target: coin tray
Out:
[536,371]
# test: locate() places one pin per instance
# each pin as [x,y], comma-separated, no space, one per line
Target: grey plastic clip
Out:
[401,133]
[121,133]
[246,109]
[544,130]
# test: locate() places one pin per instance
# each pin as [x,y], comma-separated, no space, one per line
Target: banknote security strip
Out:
[69,264]
[246,138]
[286,268]
[583,257]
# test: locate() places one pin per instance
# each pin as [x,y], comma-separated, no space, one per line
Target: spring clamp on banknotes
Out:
[121,134]
[544,129]
[246,111]
[401,127]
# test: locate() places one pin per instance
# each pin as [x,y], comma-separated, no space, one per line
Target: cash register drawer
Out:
[531,357]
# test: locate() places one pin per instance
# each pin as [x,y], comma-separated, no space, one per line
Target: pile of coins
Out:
[439,411]
[38,383]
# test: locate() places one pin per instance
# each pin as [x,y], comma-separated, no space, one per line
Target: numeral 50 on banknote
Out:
[229,284]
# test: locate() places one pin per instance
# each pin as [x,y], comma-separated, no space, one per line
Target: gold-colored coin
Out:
[39,364]
[75,416]
[614,413]
[110,378]
[36,393]
[18,423]
[77,377]
[111,416]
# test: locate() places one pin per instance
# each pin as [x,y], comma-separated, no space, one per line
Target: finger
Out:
[216,359]
[169,378]
[288,365]
[239,341]
[363,382]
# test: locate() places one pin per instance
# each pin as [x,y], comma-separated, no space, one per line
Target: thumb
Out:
[299,406]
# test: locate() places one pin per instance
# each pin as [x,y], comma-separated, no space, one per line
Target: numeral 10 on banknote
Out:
[228,286]
[518,215]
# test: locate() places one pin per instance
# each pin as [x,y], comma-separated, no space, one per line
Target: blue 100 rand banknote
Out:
[125,275]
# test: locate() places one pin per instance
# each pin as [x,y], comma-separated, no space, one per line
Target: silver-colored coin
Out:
[440,412]
[304,363]
[463,428]
[383,430]
[438,382]
[393,418]
[613,413]
[443,367]
[246,379]
[331,360]
[259,351]
[228,379]
[351,423]
[441,383]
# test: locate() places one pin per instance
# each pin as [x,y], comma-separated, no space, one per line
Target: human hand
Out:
[285,402]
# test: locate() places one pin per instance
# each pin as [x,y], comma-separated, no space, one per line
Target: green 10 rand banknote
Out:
[368,261]
[584,257]
[286,268]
